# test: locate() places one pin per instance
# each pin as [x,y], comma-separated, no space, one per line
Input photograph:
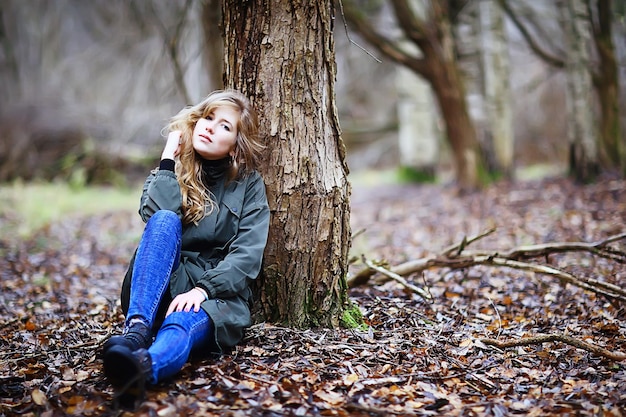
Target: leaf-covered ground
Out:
[58,302]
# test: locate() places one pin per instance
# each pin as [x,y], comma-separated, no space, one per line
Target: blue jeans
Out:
[158,255]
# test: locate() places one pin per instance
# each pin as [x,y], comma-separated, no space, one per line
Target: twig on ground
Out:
[422,293]
[458,248]
[599,248]
[603,288]
[616,356]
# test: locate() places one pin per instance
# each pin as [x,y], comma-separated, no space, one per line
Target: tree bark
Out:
[281,53]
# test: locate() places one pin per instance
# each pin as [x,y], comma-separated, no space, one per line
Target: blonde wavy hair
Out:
[197,199]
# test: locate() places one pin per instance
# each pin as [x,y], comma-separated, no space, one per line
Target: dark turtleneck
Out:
[211,170]
[214,170]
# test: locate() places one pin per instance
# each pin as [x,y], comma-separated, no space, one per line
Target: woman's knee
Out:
[176,319]
[165,215]
[199,324]
[166,218]
[190,327]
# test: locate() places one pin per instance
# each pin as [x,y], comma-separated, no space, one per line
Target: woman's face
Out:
[214,136]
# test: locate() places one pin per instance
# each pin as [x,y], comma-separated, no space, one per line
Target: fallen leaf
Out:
[39,397]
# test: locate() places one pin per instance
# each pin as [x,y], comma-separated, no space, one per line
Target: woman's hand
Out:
[186,301]
[172,146]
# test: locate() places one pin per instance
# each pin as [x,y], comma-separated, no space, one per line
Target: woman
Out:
[207,221]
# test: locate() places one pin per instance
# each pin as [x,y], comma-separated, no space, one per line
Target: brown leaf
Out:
[39,397]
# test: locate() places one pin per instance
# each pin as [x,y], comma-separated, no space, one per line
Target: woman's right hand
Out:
[190,300]
[172,146]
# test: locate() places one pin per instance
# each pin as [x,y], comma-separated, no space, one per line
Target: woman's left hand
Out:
[186,301]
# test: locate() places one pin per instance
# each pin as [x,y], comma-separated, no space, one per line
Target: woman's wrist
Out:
[203,292]
[167,164]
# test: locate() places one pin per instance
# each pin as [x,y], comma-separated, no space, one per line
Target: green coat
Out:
[222,254]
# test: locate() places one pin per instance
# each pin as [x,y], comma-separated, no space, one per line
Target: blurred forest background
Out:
[87,86]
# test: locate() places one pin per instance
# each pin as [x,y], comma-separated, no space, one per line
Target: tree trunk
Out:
[445,77]
[214,38]
[440,67]
[581,131]
[447,83]
[281,53]
[607,82]
[418,139]
[497,91]
[10,82]
[577,17]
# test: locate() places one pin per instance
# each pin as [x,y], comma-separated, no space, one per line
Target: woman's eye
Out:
[209,117]
[226,127]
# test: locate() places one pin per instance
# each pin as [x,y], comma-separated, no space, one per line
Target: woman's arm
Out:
[161,190]
[243,261]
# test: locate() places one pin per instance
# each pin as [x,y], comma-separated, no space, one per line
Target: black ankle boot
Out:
[129,372]
[136,336]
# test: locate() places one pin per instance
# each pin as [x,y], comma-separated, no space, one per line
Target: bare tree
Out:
[437,64]
[418,137]
[581,128]
[606,81]
[214,38]
[281,53]
[496,80]
[610,148]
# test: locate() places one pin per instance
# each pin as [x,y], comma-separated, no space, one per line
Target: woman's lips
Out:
[205,137]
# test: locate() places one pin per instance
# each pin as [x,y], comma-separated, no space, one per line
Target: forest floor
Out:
[59,302]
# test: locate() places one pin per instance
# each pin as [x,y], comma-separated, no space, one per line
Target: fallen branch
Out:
[458,248]
[422,293]
[407,268]
[599,248]
[599,287]
[597,350]
[455,257]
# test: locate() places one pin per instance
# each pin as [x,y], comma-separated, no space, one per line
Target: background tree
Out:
[282,54]
[606,81]
[418,137]
[214,41]
[483,54]
[584,161]
[603,72]
[98,78]
[495,74]
[432,34]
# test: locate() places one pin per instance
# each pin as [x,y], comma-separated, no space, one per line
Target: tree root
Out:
[597,350]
